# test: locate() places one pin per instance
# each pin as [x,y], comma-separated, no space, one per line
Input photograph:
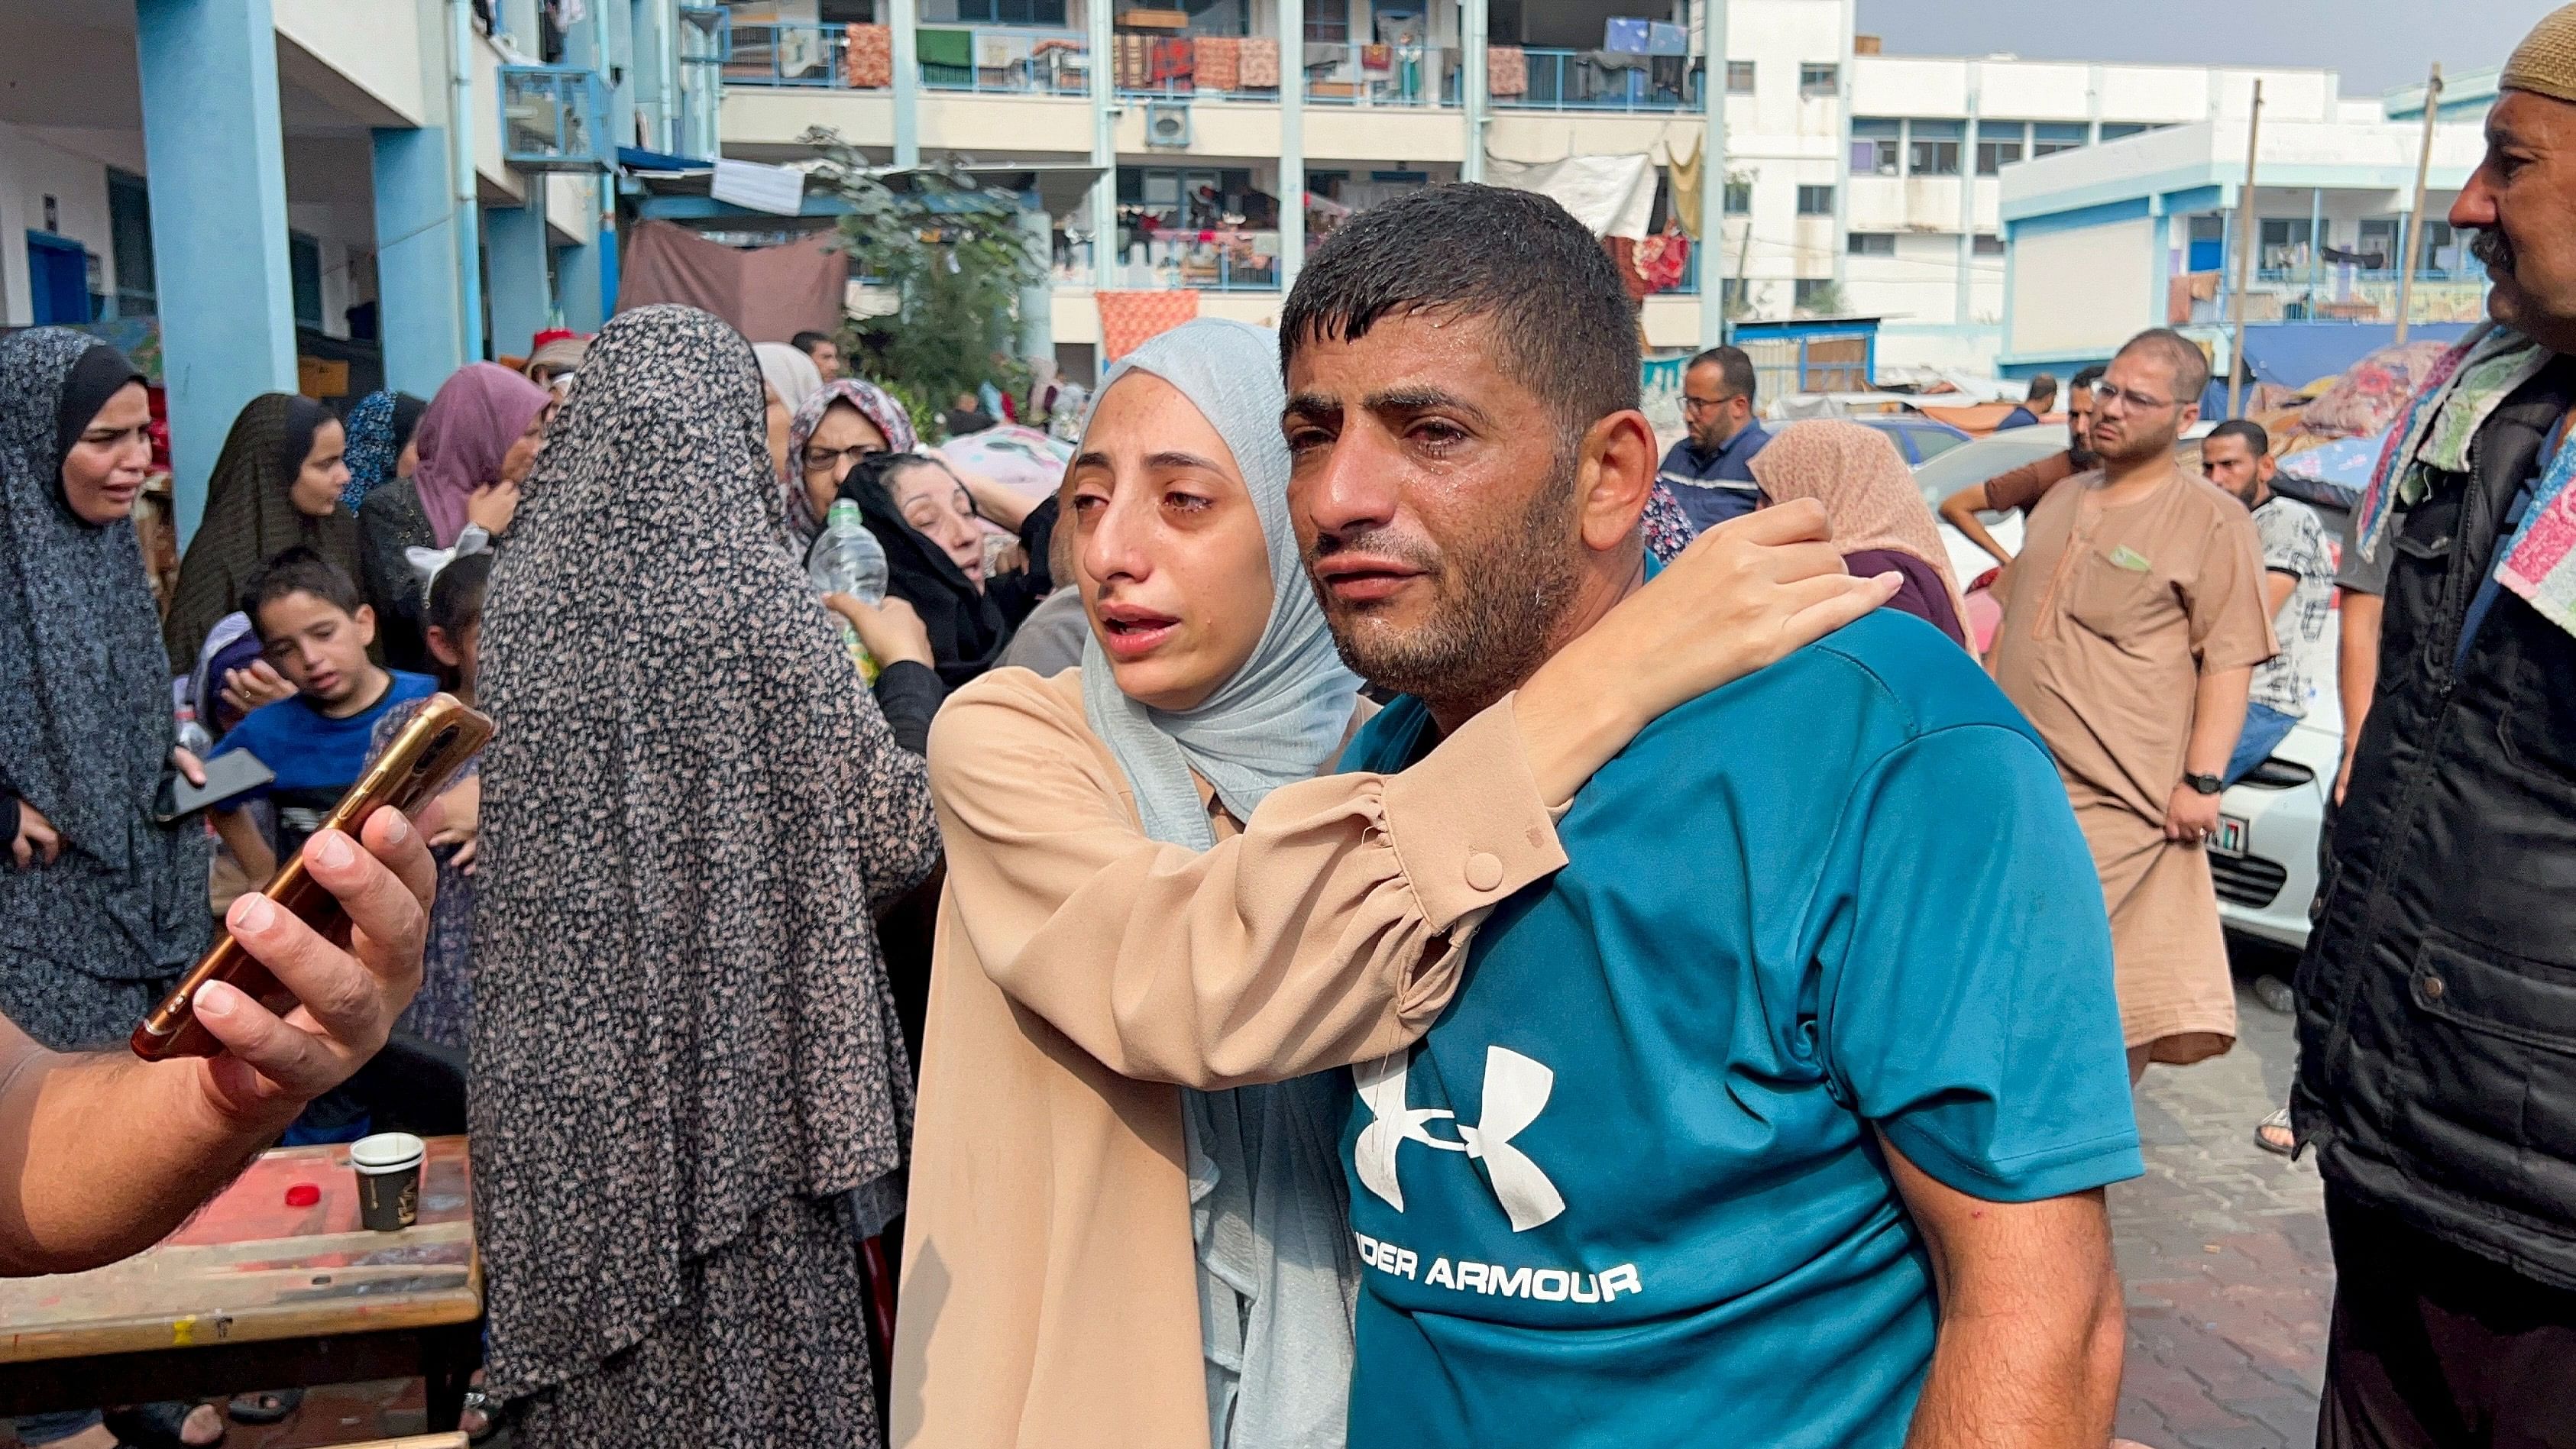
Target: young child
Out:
[444,1010]
[312,629]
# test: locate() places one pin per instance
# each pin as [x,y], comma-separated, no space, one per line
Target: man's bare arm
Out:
[2277,588]
[1961,509]
[2030,1336]
[102,1154]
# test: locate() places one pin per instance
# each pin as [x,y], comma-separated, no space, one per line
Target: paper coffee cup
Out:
[388,1169]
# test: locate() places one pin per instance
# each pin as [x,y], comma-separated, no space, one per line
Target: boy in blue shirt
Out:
[314,629]
[1780,1115]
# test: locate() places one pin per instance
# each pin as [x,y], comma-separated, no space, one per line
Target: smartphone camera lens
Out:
[437,748]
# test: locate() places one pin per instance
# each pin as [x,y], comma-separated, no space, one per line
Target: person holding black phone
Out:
[102,905]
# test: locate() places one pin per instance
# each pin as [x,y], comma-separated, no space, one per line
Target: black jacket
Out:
[2437,1002]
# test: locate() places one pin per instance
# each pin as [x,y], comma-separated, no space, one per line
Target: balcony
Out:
[977,60]
[1225,260]
[1381,75]
[1583,80]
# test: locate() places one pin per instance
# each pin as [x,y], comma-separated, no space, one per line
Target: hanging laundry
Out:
[1260,64]
[1171,61]
[1506,70]
[1661,259]
[1684,178]
[867,58]
[1219,64]
[1129,319]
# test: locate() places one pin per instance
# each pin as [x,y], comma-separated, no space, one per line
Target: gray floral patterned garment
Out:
[684,1050]
[89,943]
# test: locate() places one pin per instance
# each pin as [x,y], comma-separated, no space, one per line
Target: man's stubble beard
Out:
[1513,585]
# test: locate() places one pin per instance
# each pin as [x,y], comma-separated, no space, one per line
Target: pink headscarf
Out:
[1870,496]
[468,429]
[875,404]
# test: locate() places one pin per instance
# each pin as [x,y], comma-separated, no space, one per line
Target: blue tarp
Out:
[2294,354]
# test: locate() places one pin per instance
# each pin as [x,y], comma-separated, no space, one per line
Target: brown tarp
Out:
[769,294]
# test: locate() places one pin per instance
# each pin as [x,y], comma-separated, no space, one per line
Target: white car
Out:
[2264,859]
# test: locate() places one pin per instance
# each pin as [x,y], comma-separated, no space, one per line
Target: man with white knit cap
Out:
[2437,1004]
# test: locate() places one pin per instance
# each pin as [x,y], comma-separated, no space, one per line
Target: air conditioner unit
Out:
[1167,123]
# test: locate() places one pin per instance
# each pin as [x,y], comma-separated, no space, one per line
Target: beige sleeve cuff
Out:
[1467,824]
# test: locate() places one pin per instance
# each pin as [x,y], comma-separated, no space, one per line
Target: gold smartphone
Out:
[423,759]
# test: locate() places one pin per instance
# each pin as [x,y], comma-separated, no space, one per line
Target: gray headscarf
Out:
[789,372]
[1269,1209]
[87,943]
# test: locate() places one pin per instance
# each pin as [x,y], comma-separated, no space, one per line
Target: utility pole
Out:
[2415,216]
[2244,254]
[1712,173]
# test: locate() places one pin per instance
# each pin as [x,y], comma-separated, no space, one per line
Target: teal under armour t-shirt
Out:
[1629,1190]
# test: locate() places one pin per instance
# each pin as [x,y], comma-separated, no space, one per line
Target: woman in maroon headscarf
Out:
[478,439]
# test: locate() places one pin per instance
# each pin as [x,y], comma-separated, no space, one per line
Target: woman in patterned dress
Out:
[685,1070]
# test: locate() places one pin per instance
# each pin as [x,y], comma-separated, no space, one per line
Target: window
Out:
[1739,77]
[1987,244]
[1819,80]
[1876,144]
[1739,198]
[1012,12]
[1328,26]
[1871,244]
[2381,241]
[2114,130]
[129,226]
[2441,248]
[2284,242]
[1817,294]
[1994,153]
[1932,148]
[1815,201]
[2047,138]
[304,267]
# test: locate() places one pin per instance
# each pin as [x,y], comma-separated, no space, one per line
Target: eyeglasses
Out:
[1702,404]
[819,461]
[2104,395]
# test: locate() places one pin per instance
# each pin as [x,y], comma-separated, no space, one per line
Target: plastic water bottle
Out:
[847,559]
[192,735]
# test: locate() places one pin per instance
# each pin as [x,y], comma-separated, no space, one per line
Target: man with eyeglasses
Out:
[1710,473]
[2132,624]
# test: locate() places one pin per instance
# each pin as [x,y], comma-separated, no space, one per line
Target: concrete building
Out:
[2143,232]
[317,192]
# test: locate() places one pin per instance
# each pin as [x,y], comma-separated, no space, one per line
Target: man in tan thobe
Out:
[2133,620]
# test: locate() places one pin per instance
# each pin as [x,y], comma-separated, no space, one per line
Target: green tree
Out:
[952,252]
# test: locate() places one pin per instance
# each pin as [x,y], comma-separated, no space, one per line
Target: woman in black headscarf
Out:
[101,909]
[276,485]
[934,564]
[685,1063]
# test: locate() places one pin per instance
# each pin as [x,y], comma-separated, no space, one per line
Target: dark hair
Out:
[2043,385]
[2085,379]
[456,595]
[407,412]
[806,342]
[1734,369]
[298,570]
[2257,441]
[2190,365]
[1563,324]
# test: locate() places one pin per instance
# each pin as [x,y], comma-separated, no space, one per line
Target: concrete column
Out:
[219,254]
[904,19]
[2316,245]
[1712,174]
[1473,92]
[1103,44]
[514,239]
[1037,300]
[418,299]
[1965,307]
[1292,142]
[1839,244]
[466,187]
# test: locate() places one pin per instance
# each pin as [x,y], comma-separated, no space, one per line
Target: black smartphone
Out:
[227,776]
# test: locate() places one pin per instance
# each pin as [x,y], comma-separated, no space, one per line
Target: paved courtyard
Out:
[2223,1249]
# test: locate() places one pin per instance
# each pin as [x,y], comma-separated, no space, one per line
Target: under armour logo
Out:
[1516,1091]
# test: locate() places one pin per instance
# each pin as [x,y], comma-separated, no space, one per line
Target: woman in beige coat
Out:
[1117,1237]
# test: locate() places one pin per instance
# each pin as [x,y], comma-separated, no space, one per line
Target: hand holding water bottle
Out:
[890,629]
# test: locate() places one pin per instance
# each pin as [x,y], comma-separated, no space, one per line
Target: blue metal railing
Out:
[1004,60]
[1215,261]
[1578,80]
[1381,75]
[793,53]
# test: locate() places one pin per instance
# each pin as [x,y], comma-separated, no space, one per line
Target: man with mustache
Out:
[2437,1003]
[1720,1104]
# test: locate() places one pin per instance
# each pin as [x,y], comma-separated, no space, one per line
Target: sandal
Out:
[481,1418]
[2273,1134]
[268,1406]
[156,1425]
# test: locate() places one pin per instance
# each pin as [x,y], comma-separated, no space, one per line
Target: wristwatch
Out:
[2204,784]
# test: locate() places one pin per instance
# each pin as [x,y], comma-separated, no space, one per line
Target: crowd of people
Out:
[1385,910]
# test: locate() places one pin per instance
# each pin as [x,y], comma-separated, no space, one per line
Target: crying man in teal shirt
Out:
[1781,1114]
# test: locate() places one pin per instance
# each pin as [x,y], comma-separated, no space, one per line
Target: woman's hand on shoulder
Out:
[1744,595]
